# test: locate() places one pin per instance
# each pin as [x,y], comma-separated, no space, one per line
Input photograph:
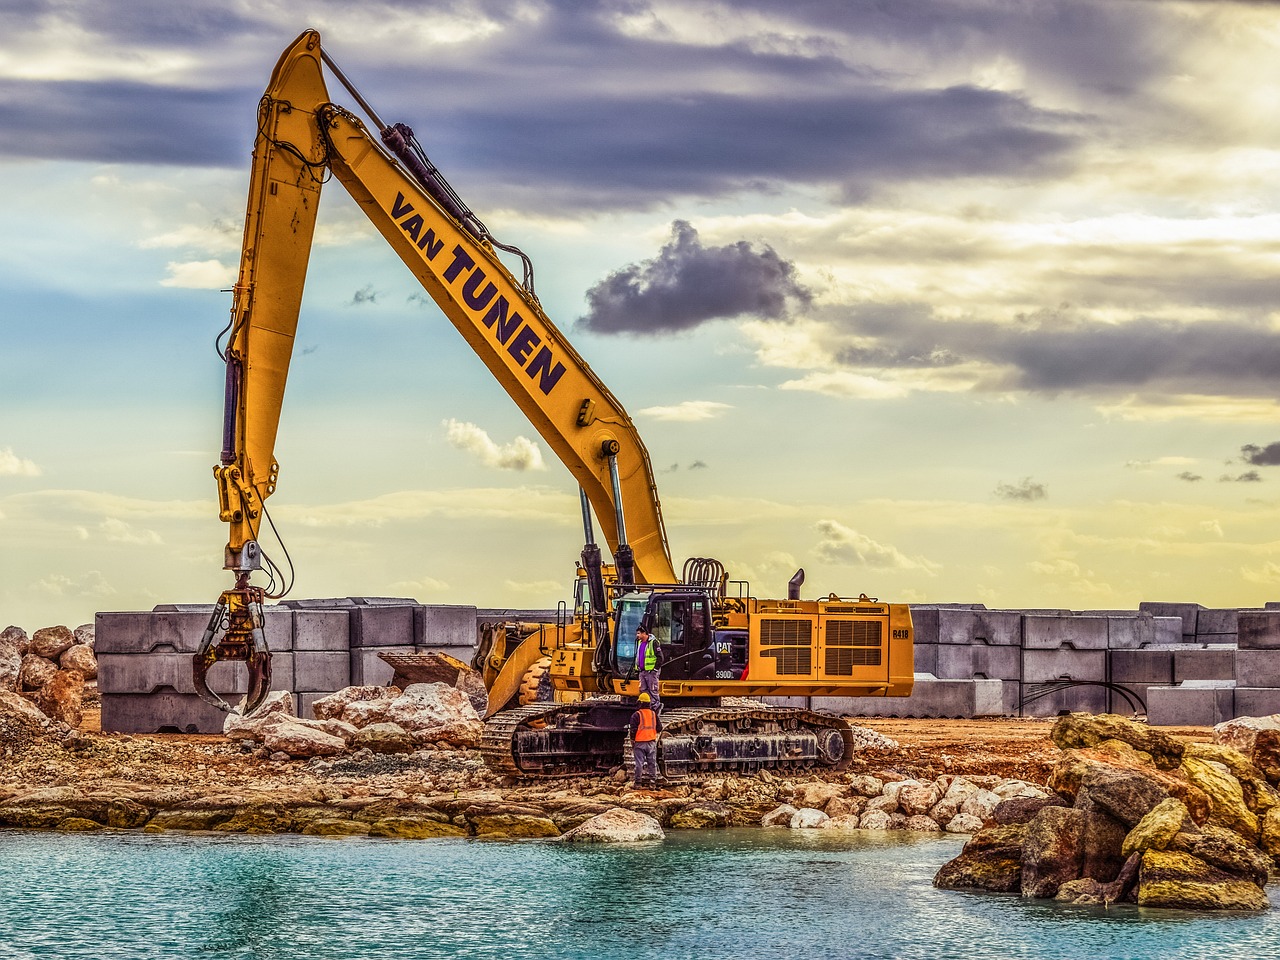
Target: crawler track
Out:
[591,737]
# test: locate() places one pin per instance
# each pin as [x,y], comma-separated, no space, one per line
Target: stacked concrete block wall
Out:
[318,647]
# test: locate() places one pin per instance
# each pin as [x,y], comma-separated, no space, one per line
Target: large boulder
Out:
[991,860]
[1173,879]
[382,738]
[80,657]
[10,666]
[298,740]
[1242,733]
[35,672]
[84,634]
[16,637]
[1082,730]
[1052,851]
[278,705]
[334,704]
[1156,830]
[434,712]
[50,642]
[62,698]
[618,825]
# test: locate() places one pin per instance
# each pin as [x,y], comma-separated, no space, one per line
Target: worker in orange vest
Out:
[645,727]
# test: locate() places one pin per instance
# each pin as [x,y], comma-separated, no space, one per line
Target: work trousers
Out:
[646,756]
[649,685]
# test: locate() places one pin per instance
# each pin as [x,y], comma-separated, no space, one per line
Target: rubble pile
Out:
[51,668]
[1140,816]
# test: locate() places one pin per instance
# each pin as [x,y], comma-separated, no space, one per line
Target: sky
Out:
[946,301]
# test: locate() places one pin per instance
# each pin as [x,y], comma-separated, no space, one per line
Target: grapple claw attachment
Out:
[235,632]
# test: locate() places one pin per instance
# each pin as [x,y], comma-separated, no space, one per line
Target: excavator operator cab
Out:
[679,620]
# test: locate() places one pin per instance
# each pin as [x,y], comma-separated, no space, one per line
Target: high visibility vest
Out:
[648,657]
[647,729]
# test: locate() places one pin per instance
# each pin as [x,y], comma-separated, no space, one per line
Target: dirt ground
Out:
[1007,747]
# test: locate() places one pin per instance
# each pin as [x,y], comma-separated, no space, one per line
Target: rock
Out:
[301,741]
[1080,730]
[886,803]
[779,816]
[10,667]
[1052,851]
[817,794]
[84,634]
[16,706]
[126,814]
[963,823]
[1225,850]
[618,825]
[78,825]
[382,738]
[186,820]
[278,705]
[362,713]
[1242,733]
[49,642]
[256,820]
[80,657]
[874,820]
[336,827]
[1173,879]
[981,804]
[62,698]
[1160,825]
[1022,809]
[414,828]
[847,821]
[921,824]
[957,792]
[514,825]
[991,860]
[334,704]
[844,807]
[1266,755]
[1125,794]
[17,638]
[700,815]
[866,786]
[867,739]
[432,712]
[1226,796]
[917,799]
[806,818]
[1019,790]
[35,671]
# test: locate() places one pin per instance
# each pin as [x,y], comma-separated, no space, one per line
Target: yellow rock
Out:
[1226,796]
[1157,828]
[79,825]
[414,828]
[336,828]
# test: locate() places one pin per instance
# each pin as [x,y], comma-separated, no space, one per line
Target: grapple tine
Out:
[235,632]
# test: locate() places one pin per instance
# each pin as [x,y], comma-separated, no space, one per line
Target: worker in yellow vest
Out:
[649,660]
[645,727]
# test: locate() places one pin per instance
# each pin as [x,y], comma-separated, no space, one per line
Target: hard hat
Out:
[644,698]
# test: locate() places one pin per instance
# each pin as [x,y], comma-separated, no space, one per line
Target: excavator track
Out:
[592,737]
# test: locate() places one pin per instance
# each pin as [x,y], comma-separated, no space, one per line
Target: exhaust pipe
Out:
[793,585]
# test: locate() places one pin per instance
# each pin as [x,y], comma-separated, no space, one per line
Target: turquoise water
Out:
[728,894]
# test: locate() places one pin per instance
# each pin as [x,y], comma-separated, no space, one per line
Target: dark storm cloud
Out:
[1268,456]
[1052,352]
[1026,490]
[688,284]
[635,122]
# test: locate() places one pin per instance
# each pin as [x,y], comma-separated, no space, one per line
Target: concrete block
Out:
[317,671]
[924,620]
[1144,666]
[1211,622]
[1204,663]
[322,629]
[930,697]
[926,657]
[1130,632]
[379,625]
[494,614]
[1188,613]
[167,712]
[1077,633]
[1167,630]
[1257,668]
[144,673]
[1039,666]
[1010,697]
[177,630]
[977,662]
[441,625]
[1136,700]
[370,670]
[1050,700]
[1191,704]
[1257,701]
[998,627]
[1259,630]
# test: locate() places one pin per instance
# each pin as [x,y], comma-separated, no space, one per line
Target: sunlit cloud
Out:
[12,465]
[841,544]
[520,454]
[199,275]
[690,411]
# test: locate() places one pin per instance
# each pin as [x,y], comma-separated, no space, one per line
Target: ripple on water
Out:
[740,894]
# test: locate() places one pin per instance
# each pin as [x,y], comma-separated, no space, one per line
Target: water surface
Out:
[732,894]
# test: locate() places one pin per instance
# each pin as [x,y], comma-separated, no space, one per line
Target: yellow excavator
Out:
[560,694]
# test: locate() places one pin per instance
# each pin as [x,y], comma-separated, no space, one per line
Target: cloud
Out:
[117,531]
[365,294]
[93,585]
[841,544]
[11,465]
[1249,476]
[199,275]
[1159,462]
[1268,456]
[1027,490]
[690,411]
[520,454]
[1189,477]
[688,284]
